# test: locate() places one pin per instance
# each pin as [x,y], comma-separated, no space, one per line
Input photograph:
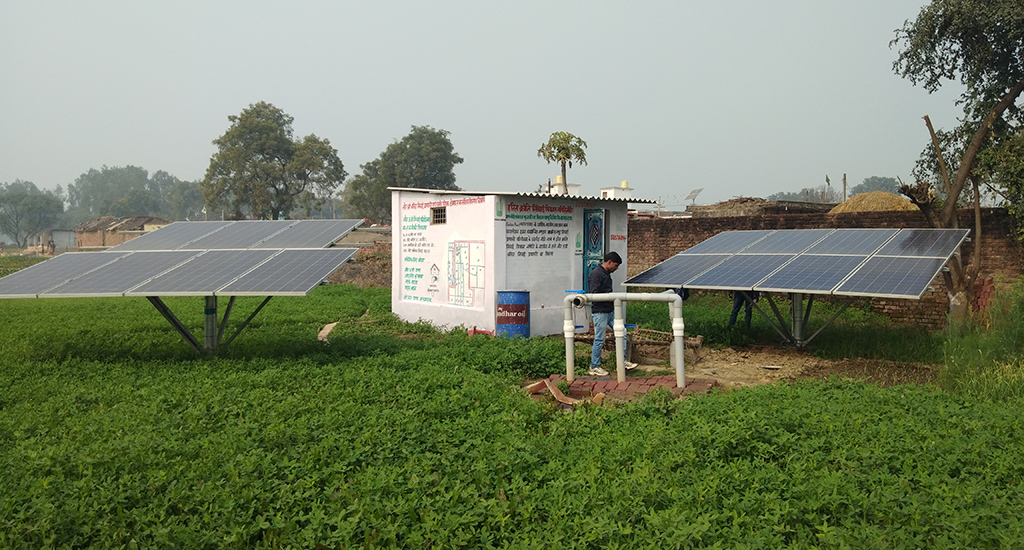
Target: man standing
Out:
[742,299]
[600,282]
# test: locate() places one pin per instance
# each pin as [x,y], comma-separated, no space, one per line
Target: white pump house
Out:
[454,252]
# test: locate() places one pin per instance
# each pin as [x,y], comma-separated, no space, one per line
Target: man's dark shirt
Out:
[600,282]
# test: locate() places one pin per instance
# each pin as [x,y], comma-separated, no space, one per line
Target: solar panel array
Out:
[227,235]
[266,258]
[897,263]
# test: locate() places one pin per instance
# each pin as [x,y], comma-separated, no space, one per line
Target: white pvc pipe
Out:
[619,327]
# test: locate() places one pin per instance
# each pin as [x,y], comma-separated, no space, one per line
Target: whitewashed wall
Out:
[443,273]
[450,274]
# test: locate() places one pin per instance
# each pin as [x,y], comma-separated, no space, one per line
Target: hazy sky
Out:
[742,98]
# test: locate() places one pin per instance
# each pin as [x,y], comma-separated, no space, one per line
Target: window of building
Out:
[438,216]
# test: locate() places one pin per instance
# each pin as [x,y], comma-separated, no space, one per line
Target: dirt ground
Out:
[731,368]
[366,269]
[765,364]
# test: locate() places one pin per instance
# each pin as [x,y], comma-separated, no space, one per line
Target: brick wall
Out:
[652,240]
[102,238]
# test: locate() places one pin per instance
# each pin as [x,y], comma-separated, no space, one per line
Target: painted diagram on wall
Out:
[466,268]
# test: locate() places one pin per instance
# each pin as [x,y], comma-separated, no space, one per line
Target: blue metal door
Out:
[593,243]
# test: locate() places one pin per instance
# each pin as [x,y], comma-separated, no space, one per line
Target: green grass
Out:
[983,352]
[113,434]
[855,333]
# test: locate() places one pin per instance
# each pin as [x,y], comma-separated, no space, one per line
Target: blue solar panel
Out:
[114,278]
[43,276]
[853,241]
[729,242]
[789,241]
[677,270]
[171,236]
[892,277]
[930,243]
[310,234]
[290,272]
[740,272]
[811,274]
[204,274]
[240,234]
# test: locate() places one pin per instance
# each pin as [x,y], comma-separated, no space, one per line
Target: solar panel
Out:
[310,234]
[811,274]
[729,242]
[171,236]
[855,262]
[853,241]
[790,241]
[930,243]
[29,282]
[204,274]
[739,272]
[116,277]
[895,277]
[239,234]
[677,270]
[292,272]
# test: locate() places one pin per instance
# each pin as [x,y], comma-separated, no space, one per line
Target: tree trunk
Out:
[959,282]
[948,213]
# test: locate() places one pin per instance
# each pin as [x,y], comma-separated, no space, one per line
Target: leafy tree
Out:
[185,201]
[823,194]
[261,170]
[423,159]
[564,148]
[980,45]
[25,210]
[876,183]
[136,202]
[120,191]
[94,193]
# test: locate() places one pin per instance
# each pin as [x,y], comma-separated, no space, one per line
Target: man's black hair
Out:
[613,257]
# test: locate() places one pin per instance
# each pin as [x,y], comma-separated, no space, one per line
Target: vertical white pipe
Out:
[619,328]
[569,331]
[678,329]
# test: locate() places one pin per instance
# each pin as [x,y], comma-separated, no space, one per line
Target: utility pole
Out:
[844,187]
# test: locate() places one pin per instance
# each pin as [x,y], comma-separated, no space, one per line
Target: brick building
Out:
[109,231]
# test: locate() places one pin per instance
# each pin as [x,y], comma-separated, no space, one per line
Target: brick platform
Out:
[584,387]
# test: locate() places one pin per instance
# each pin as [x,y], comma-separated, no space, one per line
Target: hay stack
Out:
[873,201]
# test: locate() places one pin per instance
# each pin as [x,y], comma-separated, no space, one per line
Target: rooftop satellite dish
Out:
[693,195]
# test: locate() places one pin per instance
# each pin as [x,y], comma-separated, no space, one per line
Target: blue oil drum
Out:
[513,314]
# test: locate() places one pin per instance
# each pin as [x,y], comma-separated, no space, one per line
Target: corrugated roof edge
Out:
[518,194]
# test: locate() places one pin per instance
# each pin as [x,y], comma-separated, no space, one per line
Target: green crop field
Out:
[114,434]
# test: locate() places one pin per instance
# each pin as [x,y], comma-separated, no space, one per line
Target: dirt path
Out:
[765,364]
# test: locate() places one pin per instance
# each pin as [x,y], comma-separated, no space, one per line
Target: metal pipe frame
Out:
[213,331]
